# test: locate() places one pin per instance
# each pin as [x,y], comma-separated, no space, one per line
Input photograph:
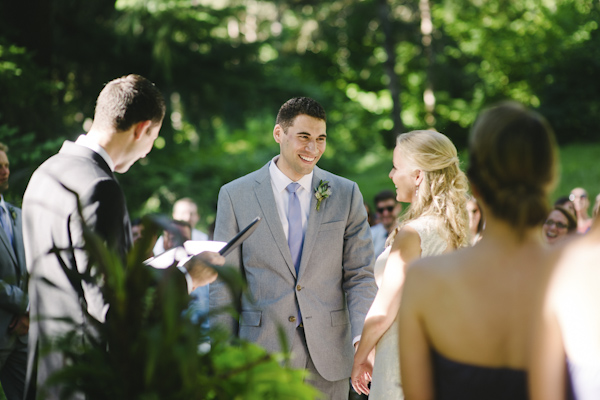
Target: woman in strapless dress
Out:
[426,174]
[466,318]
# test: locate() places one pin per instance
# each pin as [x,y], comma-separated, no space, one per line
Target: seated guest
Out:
[559,223]
[566,354]
[388,209]
[466,318]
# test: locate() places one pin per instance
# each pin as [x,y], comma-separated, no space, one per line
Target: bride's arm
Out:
[383,311]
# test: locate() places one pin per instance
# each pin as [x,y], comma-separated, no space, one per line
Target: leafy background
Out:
[379,67]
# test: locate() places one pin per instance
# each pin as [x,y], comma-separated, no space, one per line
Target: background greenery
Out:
[379,67]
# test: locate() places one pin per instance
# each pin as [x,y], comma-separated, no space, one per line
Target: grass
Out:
[579,167]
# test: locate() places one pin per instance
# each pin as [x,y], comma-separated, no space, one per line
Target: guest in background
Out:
[181,232]
[388,209]
[580,199]
[138,231]
[14,301]
[476,220]
[567,204]
[466,318]
[186,210]
[558,225]
[426,174]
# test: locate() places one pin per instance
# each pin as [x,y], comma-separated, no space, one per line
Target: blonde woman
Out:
[426,174]
[466,318]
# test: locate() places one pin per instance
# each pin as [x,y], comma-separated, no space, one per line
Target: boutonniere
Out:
[322,192]
[13,213]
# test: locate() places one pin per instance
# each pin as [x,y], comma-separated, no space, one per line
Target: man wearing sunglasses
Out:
[387,209]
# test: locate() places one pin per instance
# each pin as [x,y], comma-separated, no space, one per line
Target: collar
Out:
[85,141]
[281,181]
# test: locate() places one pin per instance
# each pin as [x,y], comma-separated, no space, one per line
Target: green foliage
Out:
[225,67]
[149,349]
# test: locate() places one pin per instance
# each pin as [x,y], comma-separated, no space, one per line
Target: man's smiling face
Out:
[301,146]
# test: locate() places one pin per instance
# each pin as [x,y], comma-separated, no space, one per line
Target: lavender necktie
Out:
[5,222]
[295,234]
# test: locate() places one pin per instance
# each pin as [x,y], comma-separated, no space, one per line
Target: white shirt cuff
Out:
[356,339]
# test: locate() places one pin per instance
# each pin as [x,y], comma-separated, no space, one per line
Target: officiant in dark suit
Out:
[127,120]
[14,317]
[309,265]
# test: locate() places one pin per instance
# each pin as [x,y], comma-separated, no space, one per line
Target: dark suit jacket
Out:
[51,218]
[13,277]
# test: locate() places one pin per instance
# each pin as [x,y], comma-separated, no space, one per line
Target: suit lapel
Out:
[266,201]
[315,219]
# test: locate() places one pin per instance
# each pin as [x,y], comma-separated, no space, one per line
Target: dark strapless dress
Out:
[458,381]
[584,382]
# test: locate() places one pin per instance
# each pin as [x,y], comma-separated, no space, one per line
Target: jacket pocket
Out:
[340,317]
[250,318]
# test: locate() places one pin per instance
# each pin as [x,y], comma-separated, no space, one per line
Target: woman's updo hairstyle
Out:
[442,192]
[513,161]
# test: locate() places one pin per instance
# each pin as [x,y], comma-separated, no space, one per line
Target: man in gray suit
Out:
[127,120]
[317,289]
[14,315]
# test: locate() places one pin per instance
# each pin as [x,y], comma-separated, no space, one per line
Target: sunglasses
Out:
[380,210]
[559,225]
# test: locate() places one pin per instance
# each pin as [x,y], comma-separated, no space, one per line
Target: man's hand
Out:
[19,325]
[201,268]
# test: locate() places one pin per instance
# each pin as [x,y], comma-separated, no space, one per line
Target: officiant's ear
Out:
[141,128]
[277,132]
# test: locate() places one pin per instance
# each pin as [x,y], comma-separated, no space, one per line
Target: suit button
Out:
[299,288]
[292,319]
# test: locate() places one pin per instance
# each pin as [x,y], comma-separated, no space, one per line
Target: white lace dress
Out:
[386,371]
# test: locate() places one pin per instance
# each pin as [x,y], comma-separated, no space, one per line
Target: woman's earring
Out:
[417,192]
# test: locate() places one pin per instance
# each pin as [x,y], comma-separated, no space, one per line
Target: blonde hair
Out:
[443,190]
[513,164]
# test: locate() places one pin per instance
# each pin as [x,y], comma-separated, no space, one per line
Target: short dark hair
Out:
[128,100]
[299,106]
[384,195]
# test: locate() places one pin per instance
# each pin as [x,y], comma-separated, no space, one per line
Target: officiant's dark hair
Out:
[128,100]
[298,106]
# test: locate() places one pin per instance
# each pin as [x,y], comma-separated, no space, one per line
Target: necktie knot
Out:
[292,187]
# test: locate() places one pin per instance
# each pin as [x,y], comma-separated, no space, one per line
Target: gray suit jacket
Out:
[51,218]
[334,287]
[13,277]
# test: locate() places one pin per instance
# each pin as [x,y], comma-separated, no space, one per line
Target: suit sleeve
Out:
[358,261]
[220,297]
[105,213]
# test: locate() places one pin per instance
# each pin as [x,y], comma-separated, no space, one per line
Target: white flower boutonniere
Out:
[322,192]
